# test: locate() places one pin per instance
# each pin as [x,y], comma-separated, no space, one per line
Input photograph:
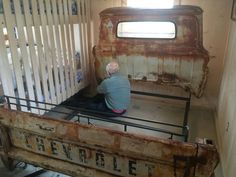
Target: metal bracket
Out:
[190,162]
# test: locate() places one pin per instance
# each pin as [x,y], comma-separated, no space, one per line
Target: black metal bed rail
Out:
[100,116]
[187,100]
[160,95]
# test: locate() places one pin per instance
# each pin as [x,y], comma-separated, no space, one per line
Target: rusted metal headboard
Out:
[181,61]
[81,150]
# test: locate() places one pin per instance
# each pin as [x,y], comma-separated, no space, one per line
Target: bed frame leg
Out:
[186,112]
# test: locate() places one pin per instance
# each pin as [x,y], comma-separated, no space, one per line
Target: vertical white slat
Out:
[169,65]
[53,49]
[68,44]
[89,42]
[186,73]
[160,65]
[122,60]
[58,50]
[130,67]
[25,57]
[152,69]
[73,45]
[62,28]
[140,67]
[38,41]
[33,54]
[82,53]
[177,66]
[47,50]
[85,40]
[10,24]
[196,76]
[5,69]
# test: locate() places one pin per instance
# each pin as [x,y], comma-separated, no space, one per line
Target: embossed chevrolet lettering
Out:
[82,150]
[81,154]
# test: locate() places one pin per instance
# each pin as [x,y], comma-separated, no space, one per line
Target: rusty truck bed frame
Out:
[86,116]
[79,149]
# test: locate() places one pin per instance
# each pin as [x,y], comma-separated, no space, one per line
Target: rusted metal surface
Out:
[181,61]
[4,137]
[81,150]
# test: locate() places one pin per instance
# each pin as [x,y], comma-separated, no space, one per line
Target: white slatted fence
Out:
[38,49]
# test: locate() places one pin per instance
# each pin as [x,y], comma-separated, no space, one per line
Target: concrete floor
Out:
[201,124]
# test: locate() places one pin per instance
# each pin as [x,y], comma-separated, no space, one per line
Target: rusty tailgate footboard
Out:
[85,150]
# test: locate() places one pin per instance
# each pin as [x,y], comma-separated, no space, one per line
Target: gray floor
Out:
[201,124]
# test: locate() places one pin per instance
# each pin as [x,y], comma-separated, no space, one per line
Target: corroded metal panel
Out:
[82,150]
[181,61]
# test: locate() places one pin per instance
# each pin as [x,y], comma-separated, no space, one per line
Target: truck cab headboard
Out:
[163,46]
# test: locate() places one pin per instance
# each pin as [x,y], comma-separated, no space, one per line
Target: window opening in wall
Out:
[146,29]
[150,3]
